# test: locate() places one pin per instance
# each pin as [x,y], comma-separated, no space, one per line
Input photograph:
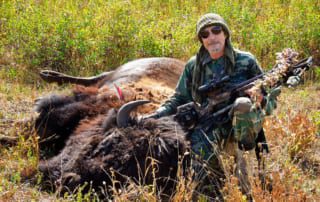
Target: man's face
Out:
[213,38]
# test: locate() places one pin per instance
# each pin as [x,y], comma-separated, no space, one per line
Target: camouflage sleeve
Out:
[182,93]
[255,68]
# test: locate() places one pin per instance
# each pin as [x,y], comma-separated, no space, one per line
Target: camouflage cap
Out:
[212,19]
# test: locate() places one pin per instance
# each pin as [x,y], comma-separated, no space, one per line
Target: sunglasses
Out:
[214,30]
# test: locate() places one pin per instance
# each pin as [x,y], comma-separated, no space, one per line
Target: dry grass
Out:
[292,167]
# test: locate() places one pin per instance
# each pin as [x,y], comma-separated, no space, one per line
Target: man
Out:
[215,59]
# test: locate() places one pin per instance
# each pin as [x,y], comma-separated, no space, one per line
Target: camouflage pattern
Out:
[245,120]
[271,100]
[247,123]
[246,68]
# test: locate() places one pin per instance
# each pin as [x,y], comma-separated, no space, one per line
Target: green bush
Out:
[87,37]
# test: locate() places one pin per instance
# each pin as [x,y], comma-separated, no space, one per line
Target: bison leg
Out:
[60,78]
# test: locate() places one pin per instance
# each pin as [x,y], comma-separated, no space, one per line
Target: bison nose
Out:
[123,115]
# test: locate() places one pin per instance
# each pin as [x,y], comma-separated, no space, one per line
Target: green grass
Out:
[290,132]
[87,37]
[90,36]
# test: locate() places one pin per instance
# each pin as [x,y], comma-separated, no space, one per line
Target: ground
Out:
[293,133]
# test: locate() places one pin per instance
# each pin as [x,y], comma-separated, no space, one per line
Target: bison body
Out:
[81,142]
[161,69]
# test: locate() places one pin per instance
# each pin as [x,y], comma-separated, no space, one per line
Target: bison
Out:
[85,137]
[166,70]
[59,115]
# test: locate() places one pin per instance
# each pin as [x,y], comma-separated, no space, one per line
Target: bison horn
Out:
[123,114]
[53,76]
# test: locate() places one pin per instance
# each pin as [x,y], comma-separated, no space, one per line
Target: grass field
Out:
[91,36]
[292,166]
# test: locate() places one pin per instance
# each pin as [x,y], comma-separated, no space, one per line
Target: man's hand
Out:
[162,111]
[274,93]
[255,95]
[293,81]
[271,100]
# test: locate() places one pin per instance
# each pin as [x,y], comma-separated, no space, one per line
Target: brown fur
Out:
[81,142]
[88,144]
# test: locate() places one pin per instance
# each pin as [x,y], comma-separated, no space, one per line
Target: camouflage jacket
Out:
[245,67]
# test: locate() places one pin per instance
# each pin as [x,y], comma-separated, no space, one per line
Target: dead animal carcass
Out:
[85,137]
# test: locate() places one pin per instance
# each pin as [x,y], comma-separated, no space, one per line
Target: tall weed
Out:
[87,37]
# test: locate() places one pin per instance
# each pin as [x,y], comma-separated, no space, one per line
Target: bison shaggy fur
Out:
[88,147]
